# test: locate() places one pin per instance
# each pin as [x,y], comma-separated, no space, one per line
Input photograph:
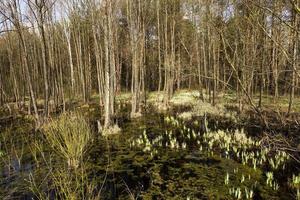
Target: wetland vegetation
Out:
[160,155]
[156,99]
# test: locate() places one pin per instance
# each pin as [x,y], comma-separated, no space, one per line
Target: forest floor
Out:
[186,97]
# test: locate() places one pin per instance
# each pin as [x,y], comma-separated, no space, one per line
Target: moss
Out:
[201,178]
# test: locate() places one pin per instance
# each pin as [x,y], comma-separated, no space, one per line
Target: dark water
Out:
[142,162]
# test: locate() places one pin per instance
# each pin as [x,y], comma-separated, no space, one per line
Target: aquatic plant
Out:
[172,120]
[236,192]
[246,149]
[227,144]
[243,179]
[249,193]
[296,185]
[280,158]
[226,179]
[271,182]
[254,160]
[269,178]
[236,170]
[68,135]
[71,185]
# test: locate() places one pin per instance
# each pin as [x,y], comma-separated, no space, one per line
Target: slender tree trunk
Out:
[68,39]
[295,59]
[109,65]
[158,45]
[24,56]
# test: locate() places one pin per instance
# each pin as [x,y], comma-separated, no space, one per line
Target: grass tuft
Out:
[69,136]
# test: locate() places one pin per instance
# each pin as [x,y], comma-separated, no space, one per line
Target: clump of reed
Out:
[68,135]
[61,183]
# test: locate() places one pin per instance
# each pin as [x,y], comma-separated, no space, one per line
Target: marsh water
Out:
[141,162]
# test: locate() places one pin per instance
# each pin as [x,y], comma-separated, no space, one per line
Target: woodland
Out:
[149,99]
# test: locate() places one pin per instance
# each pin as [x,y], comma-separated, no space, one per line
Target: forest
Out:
[149,99]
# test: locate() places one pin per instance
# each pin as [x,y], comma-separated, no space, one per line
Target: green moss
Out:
[201,177]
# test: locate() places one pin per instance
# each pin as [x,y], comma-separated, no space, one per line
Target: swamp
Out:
[192,151]
[149,99]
